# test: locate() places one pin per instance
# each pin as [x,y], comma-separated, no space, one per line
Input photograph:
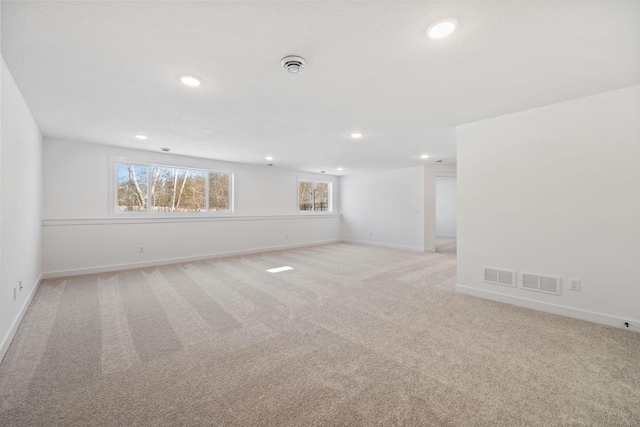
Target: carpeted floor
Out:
[352,336]
[447,245]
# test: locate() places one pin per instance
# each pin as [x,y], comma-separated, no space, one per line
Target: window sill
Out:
[147,219]
[315,213]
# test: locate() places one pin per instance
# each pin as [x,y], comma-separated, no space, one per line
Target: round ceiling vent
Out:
[293,64]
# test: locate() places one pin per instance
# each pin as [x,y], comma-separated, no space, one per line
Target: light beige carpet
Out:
[352,336]
[447,245]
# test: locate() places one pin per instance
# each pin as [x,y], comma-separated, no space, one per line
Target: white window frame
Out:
[113,199]
[314,212]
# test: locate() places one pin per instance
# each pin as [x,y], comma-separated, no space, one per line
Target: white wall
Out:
[388,204]
[81,232]
[397,206]
[556,190]
[20,208]
[446,206]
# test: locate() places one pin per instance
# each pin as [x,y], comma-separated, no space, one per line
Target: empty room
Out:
[320,213]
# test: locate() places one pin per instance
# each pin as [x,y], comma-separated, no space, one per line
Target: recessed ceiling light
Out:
[269,158]
[190,80]
[356,135]
[340,169]
[424,156]
[442,28]
[141,136]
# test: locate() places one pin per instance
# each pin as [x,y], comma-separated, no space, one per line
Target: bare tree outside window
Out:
[305,191]
[314,196]
[219,191]
[177,190]
[132,188]
[321,196]
[160,189]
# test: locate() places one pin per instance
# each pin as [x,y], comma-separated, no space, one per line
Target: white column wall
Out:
[555,191]
[20,208]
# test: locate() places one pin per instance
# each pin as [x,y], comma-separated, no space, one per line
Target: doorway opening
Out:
[446,215]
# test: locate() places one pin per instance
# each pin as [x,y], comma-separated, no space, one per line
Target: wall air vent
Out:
[540,283]
[499,276]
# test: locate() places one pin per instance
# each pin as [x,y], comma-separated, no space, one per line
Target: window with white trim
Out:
[314,196]
[166,189]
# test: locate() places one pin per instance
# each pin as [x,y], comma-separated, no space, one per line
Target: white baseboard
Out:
[384,245]
[576,313]
[6,341]
[153,263]
[448,236]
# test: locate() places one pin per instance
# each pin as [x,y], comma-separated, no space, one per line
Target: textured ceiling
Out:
[103,71]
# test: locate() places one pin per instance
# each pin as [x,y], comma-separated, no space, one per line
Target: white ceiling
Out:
[103,71]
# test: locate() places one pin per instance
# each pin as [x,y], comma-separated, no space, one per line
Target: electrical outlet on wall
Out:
[141,250]
[15,293]
[574,284]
